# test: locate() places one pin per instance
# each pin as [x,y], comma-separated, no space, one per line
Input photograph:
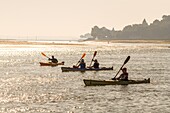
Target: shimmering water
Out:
[26,87]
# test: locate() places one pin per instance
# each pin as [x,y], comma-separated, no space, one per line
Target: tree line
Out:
[156,30]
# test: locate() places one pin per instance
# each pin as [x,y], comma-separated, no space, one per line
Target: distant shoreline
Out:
[136,41]
[18,42]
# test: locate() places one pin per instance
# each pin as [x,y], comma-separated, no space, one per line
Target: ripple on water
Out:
[27,87]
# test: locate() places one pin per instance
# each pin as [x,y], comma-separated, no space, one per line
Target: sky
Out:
[72,18]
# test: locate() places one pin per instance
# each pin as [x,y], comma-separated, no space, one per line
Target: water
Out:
[26,87]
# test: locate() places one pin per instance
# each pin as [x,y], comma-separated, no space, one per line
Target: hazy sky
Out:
[72,18]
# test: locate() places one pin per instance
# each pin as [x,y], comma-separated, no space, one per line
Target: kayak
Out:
[67,69]
[89,82]
[50,64]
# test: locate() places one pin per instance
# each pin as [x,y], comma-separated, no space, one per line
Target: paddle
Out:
[81,58]
[127,59]
[44,54]
[93,58]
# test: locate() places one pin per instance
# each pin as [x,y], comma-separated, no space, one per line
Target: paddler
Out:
[53,60]
[96,64]
[123,76]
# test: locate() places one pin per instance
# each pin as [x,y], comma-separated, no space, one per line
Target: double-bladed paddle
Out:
[81,58]
[44,54]
[93,58]
[127,59]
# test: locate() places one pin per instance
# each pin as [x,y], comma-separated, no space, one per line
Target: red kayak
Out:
[50,64]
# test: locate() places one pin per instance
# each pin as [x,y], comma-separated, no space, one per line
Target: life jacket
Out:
[124,76]
[96,65]
[82,65]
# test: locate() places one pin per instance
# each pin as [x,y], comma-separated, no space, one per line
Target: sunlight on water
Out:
[27,87]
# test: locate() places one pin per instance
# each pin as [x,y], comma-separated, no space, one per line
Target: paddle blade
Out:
[83,55]
[94,54]
[127,59]
[93,58]
[81,58]
[43,54]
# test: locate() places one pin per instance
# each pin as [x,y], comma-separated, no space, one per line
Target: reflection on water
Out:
[27,87]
